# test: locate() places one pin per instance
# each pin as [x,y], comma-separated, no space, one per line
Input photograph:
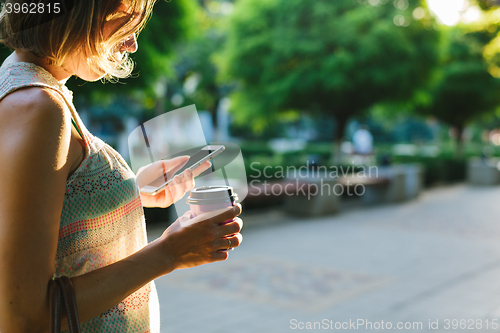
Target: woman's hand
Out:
[177,187]
[201,242]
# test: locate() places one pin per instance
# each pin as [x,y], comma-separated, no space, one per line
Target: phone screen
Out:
[169,175]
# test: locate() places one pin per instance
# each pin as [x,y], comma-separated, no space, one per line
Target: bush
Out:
[444,168]
[437,169]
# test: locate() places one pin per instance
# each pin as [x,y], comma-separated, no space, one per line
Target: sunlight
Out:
[451,12]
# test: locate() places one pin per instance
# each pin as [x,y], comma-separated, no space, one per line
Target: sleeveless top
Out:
[102,219]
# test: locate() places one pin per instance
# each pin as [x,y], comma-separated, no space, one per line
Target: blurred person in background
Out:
[362,146]
[69,203]
[362,141]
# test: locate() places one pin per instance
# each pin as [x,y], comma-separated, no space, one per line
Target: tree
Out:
[463,88]
[4,52]
[332,57]
[196,73]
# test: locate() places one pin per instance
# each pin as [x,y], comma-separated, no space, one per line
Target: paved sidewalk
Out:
[433,259]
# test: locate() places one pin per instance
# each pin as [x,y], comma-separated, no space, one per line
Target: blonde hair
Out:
[78,27]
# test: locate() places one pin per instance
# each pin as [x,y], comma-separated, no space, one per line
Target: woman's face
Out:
[79,65]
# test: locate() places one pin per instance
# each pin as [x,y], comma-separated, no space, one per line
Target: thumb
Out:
[185,219]
[175,163]
[141,169]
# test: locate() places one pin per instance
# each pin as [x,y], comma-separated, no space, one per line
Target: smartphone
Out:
[204,154]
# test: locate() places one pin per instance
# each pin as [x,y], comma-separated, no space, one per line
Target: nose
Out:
[129,44]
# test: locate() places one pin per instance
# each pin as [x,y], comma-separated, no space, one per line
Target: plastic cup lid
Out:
[208,195]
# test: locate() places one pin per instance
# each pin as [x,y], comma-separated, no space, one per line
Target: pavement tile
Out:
[434,258]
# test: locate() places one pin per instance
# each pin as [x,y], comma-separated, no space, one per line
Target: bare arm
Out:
[34,143]
[35,135]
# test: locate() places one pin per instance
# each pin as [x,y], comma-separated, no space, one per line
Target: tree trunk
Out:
[459,148]
[160,106]
[337,157]
[161,95]
[213,111]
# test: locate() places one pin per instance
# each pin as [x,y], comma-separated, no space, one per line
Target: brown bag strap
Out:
[55,307]
[64,289]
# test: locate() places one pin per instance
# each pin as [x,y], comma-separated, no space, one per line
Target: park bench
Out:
[390,185]
[300,196]
[265,194]
[483,171]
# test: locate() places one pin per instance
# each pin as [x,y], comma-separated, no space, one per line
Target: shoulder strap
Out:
[76,127]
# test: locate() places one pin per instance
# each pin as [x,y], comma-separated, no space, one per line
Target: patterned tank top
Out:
[102,219]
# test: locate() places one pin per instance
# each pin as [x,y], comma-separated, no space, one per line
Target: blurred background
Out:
[293,81]
[411,87]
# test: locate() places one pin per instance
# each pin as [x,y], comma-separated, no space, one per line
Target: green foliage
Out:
[195,68]
[462,88]
[334,57]
[487,4]
[4,52]
[490,28]
[263,164]
[195,79]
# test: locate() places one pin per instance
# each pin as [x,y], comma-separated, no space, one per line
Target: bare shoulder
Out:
[32,102]
[34,117]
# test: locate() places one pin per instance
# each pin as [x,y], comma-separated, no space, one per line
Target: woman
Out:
[69,204]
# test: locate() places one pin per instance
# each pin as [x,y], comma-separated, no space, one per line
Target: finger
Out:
[176,162]
[149,173]
[204,166]
[218,216]
[174,188]
[181,186]
[226,215]
[236,240]
[152,168]
[167,168]
[220,255]
[228,243]
[170,167]
[186,175]
[230,228]
[237,209]
[186,183]
[189,180]
[184,219]
[141,169]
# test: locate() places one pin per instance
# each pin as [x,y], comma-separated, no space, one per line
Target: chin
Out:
[90,76]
